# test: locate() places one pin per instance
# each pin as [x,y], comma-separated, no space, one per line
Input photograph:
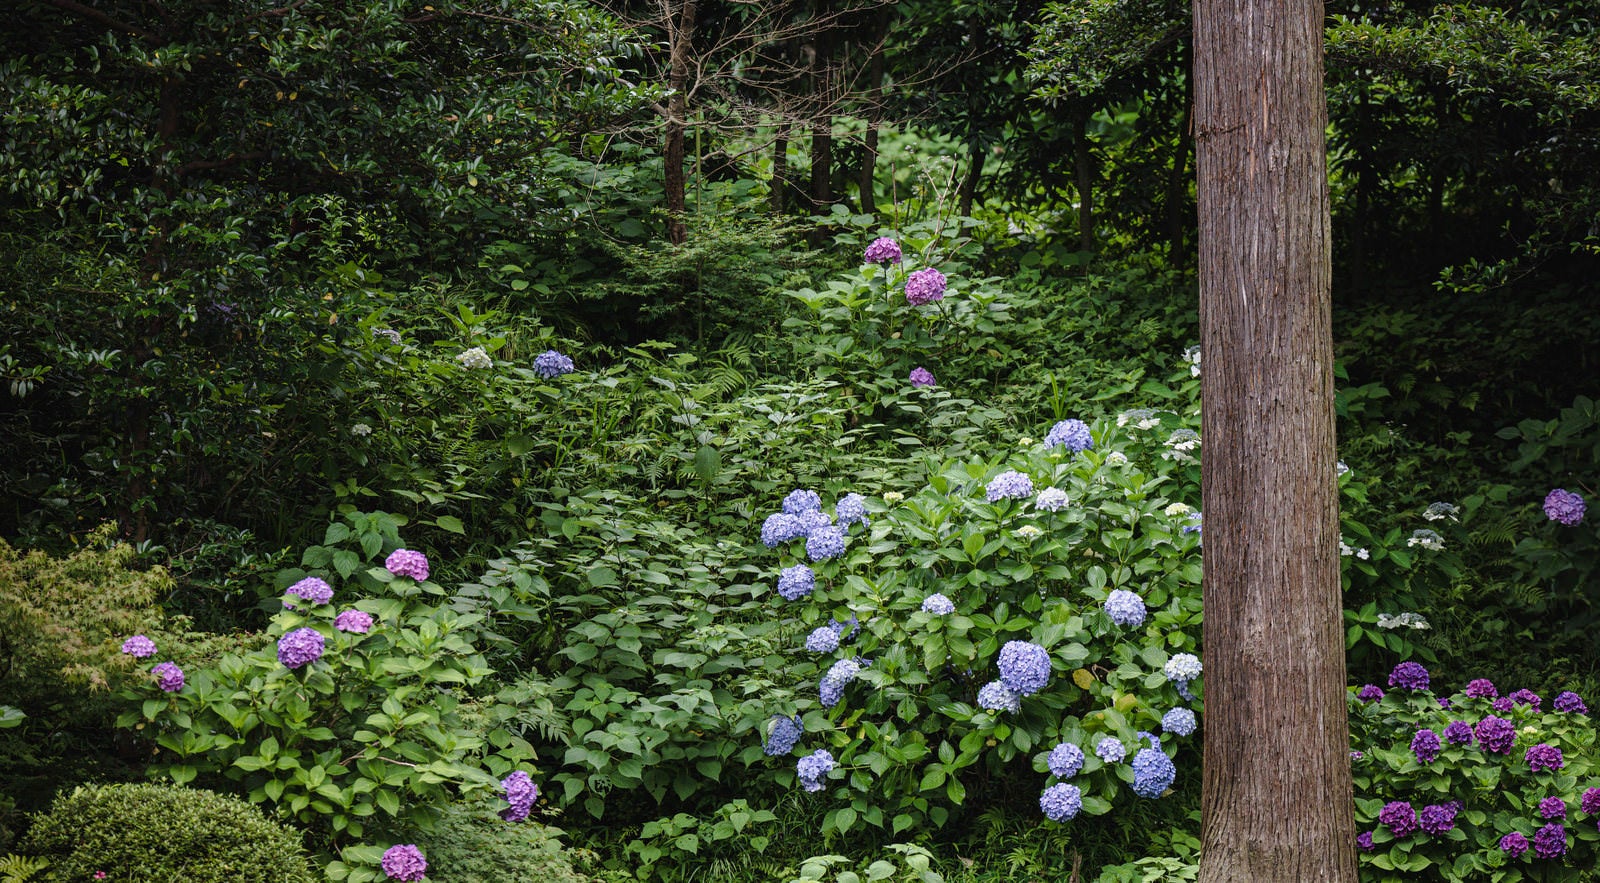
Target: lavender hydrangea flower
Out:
[1495,734]
[1051,499]
[356,622]
[882,250]
[921,376]
[1564,507]
[813,767]
[838,677]
[1425,745]
[520,792]
[850,509]
[1061,802]
[1542,757]
[1501,705]
[1024,667]
[1399,817]
[824,543]
[924,286]
[1179,722]
[311,589]
[1370,693]
[139,647]
[1110,749]
[1125,608]
[405,562]
[1071,433]
[796,582]
[1514,844]
[783,733]
[1153,773]
[1439,819]
[1590,802]
[1180,670]
[1571,703]
[938,605]
[823,639]
[404,863]
[1010,485]
[1550,841]
[802,500]
[1481,688]
[1409,676]
[169,677]
[300,647]
[1553,808]
[780,528]
[995,697]
[1065,760]
[551,364]
[1458,733]
[1528,698]
[1364,841]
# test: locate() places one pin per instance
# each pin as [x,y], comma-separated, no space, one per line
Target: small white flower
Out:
[1180,444]
[1341,467]
[1427,539]
[1116,458]
[893,496]
[1441,511]
[475,358]
[1029,531]
[1403,621]
[1347,550]
[361,429]
[1177,509]
[1024,442]
[1051,499]
[1139,418]
[1192,356]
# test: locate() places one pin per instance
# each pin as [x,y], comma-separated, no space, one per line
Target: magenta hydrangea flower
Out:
[1571,703]
[404,562]
[169,677]
[1495,734]
[924,286]
[883,250]
[1481,688]
[1528,698]
[1590,801]
[300,647]
[311,589]
[1514,844]
[1544,757]
[1458,733]
[356,622]
[1370,693]
[1399,817]
[1501,705]
[1553,808]
[1439,819]
[1550,841]
[139,647]
[921,376]
[1409,676]
[1425,745]
[404,862]
[521,792]
[1564,507]
[1364,841]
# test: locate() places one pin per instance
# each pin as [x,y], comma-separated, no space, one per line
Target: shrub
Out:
[163,832]
[472,844]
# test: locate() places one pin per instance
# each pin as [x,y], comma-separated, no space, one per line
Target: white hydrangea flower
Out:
[360,429]
[1029,531]
[1116,458]
[1177,509]
[475,359]
[1427,539]
[1192,356]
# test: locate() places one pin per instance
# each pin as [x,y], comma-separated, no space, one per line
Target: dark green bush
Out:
[148,833]
[472,844]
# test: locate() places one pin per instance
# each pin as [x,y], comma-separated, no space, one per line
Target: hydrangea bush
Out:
[1475,785]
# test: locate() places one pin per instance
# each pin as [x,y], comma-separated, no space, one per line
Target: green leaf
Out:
[451,523]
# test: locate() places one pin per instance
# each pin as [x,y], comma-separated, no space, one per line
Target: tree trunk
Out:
[969,184]
[867,183]
[1276,796]
[1083,167]
[777,198]
[822,117]
[677,113]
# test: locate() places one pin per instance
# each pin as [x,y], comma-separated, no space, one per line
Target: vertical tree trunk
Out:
[1083,168]
[969,184]
[867,183]
[778,197]
[822,121]
[1276,797]
[677,112]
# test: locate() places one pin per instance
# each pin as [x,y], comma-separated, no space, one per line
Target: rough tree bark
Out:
[673,181]
[1276,796]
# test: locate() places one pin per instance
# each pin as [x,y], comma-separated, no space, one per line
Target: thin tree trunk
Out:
[778,197]
[677,113]
[1083,167]
[1276,795]
[822,123]
[867,183]
[969,184]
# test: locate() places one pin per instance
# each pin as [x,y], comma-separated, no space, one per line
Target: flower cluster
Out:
[783,733]
[1051,499]
[1399,816]
[311,589]
[921,376]
[1571,703]
[356,622]
[1370,693]
[1010,485]
[938,605]
[1553,808]
[1404,620]
[1481,688]
[1550,841]
[1564,507]
[824,543]
[882,250]
[1065,760]
[300,647]
[851,509]
[813,767]
[1458,733]
[1544,757]
[1153,773]
[1440,818]
[1409,676]
[388,334]
[139,647]
[1179,722]
[796,582]
[1425,745]
[1024,667]
[1110,749]
[404,862]
[833,683]
[924,286]
[1073,434]
[1441,511]
[551,364]
[1495,734]
[169,677]
[475,359]
[1061,802]
[800,501]
[1181,446]
[995,697]
[520,793]
[1426,539]
[405,562]
[1125,608]
[1180,670]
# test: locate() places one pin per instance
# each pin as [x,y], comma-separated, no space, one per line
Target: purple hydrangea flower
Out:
[311,589]
[824,543]
[924,286]
[1024,667]
[1364,841]
[1444,702]
[938,605]
[813,767]
[1066,759]
[520,792]
[995,697]
[1528,698]
[551,364]
[1409,676]
[405,562]
[1072,433]
[1481,688]
[1564,507]
[169,677]
[921,376]
[1011,485]
[1553,808]
[882,250]
[1495,734]
[300,647]
[1543,757]
[1061,802]
[1590,802]
[833,683]
[356,622]
[1153,773]
[1458,733]
[850,509]
[1370,693]
[1514,844]
[1399,817]
[823,639]
[1110,749]
[1571,703]
[1357,755]
[780,528]
[1425,745]
[783,733]
[1550,841]
[1125,608]
[796,582]
[404,862]
[1439,819]
[1501,705]
[139,647]
[802,500]
[1179,722]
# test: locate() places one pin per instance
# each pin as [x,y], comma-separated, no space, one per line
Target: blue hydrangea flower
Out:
[1074,434]
[1011,485]
[1110,749]
[1125,608]
[1153,773]
[938,605]
[824,543]
[796,582]
[850,509]
[802,501]
[1024,667]
[823,639]
[551,364]
[1180,670]
[995,697]
[783,734]
[780,528]
[1060,802]
[1066,759]
[838,677]
[1051,499]
[813,768]
[1179,722]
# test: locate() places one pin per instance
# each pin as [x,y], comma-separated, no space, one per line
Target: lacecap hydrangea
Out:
[1024,667]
